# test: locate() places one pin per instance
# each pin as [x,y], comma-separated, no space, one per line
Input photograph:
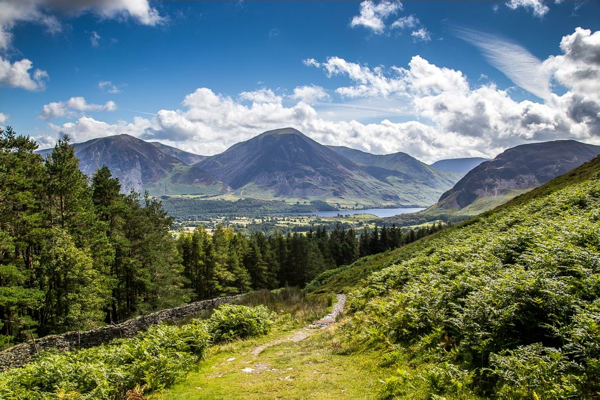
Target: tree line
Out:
[227,262]
[76,253]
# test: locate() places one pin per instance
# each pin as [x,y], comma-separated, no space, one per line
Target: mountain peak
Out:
[283,131]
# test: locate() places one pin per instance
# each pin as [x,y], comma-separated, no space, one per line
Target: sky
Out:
[434,79]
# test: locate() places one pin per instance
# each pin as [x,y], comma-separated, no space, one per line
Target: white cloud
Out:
[3,118]
[421,35]
[455,118]
[71,106]
[17,75]
[538,8]
[310,94]
[424,79]
[108,87]
[407,22]
[370,82]
[261,96]
[514,61]
[95,39]
[372,15]
[311,62]
[14,11]
[41,11]
[86,128]
[579,67]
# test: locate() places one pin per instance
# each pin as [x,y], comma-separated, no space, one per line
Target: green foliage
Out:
[153,360]
[506,305]
[231,322]
[186,209]
[74,256]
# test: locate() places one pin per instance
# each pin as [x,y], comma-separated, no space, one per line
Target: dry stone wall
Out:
[21,354]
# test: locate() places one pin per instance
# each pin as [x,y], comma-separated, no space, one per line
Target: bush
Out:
[231,322]
[153,360]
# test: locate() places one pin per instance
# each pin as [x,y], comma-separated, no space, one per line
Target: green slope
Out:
[506,305]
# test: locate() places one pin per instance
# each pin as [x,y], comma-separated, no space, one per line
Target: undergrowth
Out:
[129,368]
[507,306]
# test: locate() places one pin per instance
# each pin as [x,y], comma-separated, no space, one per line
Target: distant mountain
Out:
[403,172]
[517,170]
[495,182]
[458,165]
[284,163]
[186,157]
[141,166]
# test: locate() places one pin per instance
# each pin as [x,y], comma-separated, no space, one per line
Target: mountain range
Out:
[279,164]
[285,164]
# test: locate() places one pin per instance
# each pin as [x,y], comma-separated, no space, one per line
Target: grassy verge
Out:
[315,368]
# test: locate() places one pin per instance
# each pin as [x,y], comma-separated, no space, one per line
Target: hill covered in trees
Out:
[507,305]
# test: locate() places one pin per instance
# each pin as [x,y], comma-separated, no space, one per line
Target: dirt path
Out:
[308,330]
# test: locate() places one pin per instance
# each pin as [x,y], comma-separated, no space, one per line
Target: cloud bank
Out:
[71,107]
[452,117]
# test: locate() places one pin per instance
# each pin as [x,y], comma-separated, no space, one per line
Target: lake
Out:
[379,212]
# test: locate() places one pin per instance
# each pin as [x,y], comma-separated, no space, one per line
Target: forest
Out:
[76,253]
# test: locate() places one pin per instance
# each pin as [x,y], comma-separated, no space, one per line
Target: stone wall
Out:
[21,354]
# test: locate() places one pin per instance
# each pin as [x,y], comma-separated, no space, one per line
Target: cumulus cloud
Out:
[537,7]
[3,118]
[407,22]
[514,61]
[41,12]
[310,94]
[370,82]
[15,11]
[72,106]
[311,62]
[372,15]
[86,128]
[108,87]
[261,96]
[17,75]
[455,118]
[579,67]
[421,35]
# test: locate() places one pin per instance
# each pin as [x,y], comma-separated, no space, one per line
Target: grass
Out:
[293,308]
[315,368]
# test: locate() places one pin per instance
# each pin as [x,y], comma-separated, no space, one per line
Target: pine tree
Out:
[22,230]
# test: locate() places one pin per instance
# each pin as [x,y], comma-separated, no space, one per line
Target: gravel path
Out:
[308,330]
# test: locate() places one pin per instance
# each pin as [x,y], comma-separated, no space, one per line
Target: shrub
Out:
[231,322]
[153,360]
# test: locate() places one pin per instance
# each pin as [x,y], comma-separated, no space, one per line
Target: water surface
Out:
[378,212]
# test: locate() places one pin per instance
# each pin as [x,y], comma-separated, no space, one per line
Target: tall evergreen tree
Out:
[22,229]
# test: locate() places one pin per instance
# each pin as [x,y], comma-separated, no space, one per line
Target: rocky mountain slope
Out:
[458,165]
[517,170]
[140,166]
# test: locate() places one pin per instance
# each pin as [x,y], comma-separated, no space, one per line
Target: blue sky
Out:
[433,79]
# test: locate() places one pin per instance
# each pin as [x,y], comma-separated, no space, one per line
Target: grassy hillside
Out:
[506,305]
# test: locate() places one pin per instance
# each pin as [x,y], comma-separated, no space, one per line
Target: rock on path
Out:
[308,330]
